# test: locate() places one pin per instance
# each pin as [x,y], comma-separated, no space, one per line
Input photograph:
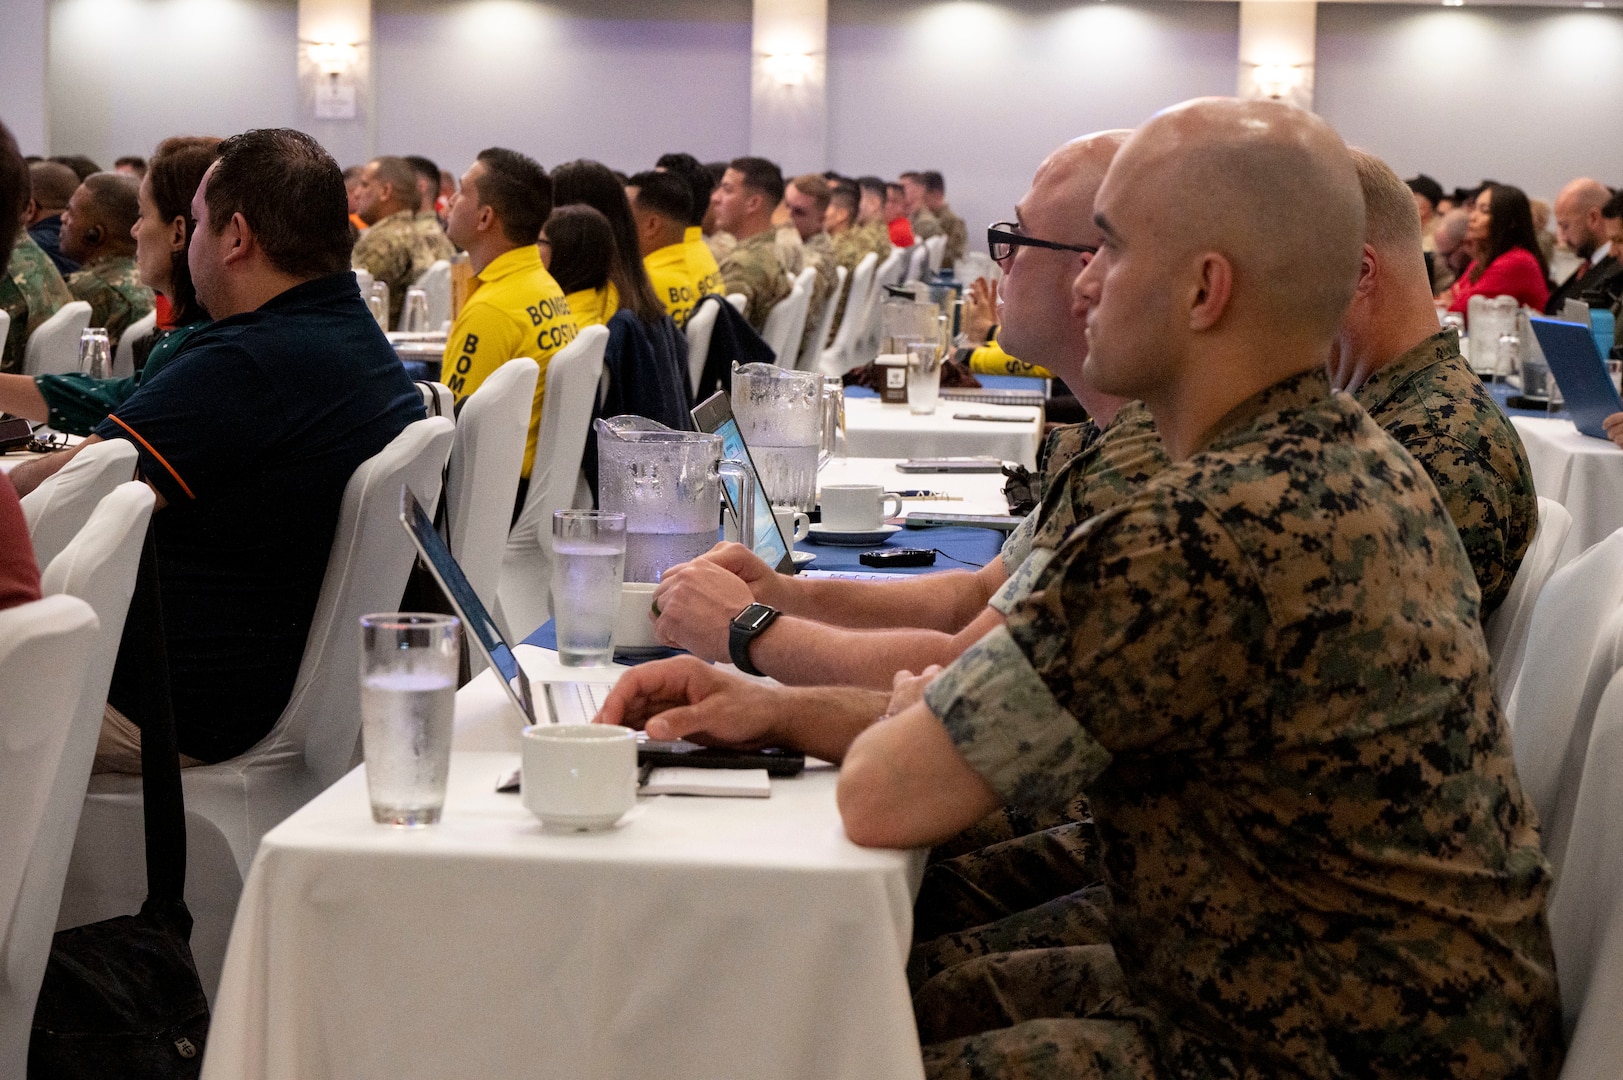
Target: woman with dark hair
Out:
[592,183]
[577,248]
[1508,260]
[76,403]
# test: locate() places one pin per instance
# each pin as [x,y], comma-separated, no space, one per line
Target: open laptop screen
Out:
[715,415]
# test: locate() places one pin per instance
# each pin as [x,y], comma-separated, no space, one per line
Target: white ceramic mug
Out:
[794,525]
[633,629]
[857,507]
[579,777]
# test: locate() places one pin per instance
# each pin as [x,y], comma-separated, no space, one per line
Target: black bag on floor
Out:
[121,997]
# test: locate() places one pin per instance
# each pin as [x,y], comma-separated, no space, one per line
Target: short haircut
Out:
[291,193]
[397,171]
[873,184]
[1613,210]
[814,187]
[518,189]
[896,187]
[13,191]
[593,183]
[116,200]
[933,182]
[1454,225]
[663,193]
[177,168]
[698,179]
[81,165]
[917,178]
[1426,188]
[582,245]
[846,197]
[760,175]
[139,164]
[1391,222]
[52,184]
[425,168]
[354,173]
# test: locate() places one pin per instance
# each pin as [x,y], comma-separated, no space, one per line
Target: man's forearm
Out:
[823,721]
[801,652]
[945,602]
[20,396]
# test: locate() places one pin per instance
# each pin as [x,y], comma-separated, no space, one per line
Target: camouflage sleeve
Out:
[386,259]
[1009,727]
[761,283]
[957,241]
[1021,579]
[101,296]
[1018,545]
[1494,515]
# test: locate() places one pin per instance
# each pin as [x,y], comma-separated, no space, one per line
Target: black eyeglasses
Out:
[1005,236]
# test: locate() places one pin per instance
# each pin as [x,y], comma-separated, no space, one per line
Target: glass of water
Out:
[408,697]
[377,301]
[588,562]
[923,377]
[95,353]
[414,314]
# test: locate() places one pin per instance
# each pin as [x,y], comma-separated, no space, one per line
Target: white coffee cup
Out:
[857,507]
[579,777]
[794,525]
[633,629]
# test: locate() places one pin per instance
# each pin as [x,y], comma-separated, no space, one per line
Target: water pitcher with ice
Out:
[668,485]
[780,414]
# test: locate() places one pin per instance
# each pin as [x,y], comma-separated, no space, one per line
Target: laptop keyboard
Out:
[577,702]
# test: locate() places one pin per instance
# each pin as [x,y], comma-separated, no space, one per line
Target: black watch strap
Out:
[746,626]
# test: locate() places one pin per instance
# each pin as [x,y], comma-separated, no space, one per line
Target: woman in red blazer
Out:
[1508,261]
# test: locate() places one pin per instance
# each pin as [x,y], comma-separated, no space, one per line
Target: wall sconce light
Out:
[789,69]
[331,58]
[1277,80]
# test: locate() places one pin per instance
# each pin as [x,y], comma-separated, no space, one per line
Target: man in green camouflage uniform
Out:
[851,242]
[31,291]
[394,249]
[743,202]
[807,199]
[433,233]
[96,234]
[957,233]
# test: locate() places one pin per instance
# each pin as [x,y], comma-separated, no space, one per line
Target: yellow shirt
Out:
[990,359]
[677,289]
[594,307]
[702,266]
[518,310]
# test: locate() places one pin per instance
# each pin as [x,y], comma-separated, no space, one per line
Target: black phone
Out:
[775,760]
[15,433]
[889,557]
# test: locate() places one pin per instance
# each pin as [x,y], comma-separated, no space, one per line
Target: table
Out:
[1582,473]
[702,938]
[874,429]
[974,493]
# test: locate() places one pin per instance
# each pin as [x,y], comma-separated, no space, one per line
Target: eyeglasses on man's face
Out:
[1005,236]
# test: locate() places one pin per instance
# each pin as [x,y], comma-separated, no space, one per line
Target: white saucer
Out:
[822,534]
[803,558]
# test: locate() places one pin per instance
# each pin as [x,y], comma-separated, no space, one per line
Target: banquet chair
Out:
[363,280]
[701,325]
[45,647]
[124,355]
[5,326]
[57,509]
[935,249]
[524,599]
[890,272]
[436,282]
[53,347]
[1586,906]
[1506,629]
[836,356]
[918,258]
[437,399]
[482,479]
[99,568]
[811,351]
[739,301]
[231,804]
[1574,646]
[787,320]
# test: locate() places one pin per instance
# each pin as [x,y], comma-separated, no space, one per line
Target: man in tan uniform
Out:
[743,202]
[394,249]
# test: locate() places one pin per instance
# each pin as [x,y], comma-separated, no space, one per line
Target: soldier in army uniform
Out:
[749,192]
[919,215]
[31,291]
[807,198]
[96,235]
[394,249]
[935,200]
[851,240]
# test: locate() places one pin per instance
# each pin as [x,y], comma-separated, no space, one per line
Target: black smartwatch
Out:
[746,626]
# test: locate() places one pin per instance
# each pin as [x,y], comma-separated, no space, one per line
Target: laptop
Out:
[714,415]
[569,701]
[1580,372]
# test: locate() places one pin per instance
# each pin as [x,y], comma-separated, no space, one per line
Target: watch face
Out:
[755,617]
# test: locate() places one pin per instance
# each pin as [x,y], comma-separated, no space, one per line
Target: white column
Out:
[336,100]
[23,49]
[1277,50]
[789,84]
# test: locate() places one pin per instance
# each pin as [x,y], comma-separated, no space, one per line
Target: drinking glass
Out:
[833,419]
[378,301]
[923,377]
[408,697]
[1507,361]
[588,564]
[414,315]
[95,353]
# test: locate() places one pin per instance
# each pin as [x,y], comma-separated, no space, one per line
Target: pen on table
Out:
[643,772]
[937,495]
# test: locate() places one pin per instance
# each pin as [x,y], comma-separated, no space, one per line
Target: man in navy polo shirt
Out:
[249,437]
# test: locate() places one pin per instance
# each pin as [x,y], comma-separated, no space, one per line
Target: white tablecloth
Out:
[874,429]
[1583,474]
[973,493]
[701,938]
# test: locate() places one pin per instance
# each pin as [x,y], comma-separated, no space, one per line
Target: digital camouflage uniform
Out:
[1432,403]
[819,254]
[1265,671]
[754,269]
[31,291]
[112,287]
[957,235]
[925,224]
[395,251]
[850,247]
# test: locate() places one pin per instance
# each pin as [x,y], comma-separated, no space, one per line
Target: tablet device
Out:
[1569,349]
[715,415]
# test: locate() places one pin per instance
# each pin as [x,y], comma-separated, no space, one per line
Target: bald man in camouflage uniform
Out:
[96,234]
[31,291]
[395,248]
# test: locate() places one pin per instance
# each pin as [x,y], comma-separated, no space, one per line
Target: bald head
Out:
[99,216]
[1578,218]
[51,185]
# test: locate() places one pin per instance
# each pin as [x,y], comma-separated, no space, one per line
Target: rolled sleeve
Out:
[1018,545]
[1009,727]
[1021,580]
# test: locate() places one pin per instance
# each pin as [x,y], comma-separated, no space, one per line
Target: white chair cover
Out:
[5,326]
[231,804]
[436,282]
[1506,629]
[890,272]
[1574,646]
[918,257]
[739,301]
[779,331]
[57,509]
[124,355]
[701,326]
[98,567]
[1586,908]
[811,350]
[566,414]
[935,249]
[835,359]
[363,281]
[53,348]
[45,647]
[482,479]
[437,399]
